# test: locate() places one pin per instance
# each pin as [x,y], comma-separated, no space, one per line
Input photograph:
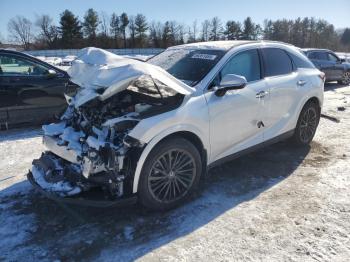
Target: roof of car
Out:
[313,49]
[224,45]
[9,51]
[218,45]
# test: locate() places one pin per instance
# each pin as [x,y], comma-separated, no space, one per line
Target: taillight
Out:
[322,76]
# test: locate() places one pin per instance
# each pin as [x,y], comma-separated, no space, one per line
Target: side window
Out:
[321,56]
[301,61]
[12,65]
[276,62]
[312,55]
[332,57]
[246,63]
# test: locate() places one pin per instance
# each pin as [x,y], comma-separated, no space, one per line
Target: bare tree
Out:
[20,28]
[155,35]
[215,29]
[104,19]
[180,34]
[205,30]
[48,32]
[132,30]
[194,30]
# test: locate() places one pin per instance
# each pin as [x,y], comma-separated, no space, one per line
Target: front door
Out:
[236,119]
[338,68]
[31,94]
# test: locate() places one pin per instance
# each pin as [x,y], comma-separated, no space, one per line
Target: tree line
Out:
[129,31]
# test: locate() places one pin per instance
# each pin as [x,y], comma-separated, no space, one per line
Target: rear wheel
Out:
[307,124]
[345,78]
[170,174]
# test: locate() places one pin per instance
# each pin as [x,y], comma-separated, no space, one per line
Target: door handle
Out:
[301,82]
[261,94]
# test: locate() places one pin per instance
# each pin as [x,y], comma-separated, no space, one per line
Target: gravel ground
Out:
[279,204]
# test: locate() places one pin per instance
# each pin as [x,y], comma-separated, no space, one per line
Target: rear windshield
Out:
[188,65]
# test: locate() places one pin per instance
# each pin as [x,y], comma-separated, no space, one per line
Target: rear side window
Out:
[299,62]
[276,62]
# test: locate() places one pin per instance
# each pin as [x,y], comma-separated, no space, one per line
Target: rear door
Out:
[31,94]
[282,82]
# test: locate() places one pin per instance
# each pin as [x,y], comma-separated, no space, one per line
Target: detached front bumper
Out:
[92,198]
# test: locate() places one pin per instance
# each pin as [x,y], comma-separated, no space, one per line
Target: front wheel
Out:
[307,124]
[170,174]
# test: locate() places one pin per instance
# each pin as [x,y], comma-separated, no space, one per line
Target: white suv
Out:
[150,130]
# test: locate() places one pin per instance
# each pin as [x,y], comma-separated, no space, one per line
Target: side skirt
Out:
[271,141]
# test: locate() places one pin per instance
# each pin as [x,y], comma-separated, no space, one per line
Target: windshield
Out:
[188,65]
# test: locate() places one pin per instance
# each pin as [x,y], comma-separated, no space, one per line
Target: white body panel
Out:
[228,124]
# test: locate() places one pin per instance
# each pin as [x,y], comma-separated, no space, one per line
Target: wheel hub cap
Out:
[171,175]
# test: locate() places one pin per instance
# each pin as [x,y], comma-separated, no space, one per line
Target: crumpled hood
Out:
[103,74]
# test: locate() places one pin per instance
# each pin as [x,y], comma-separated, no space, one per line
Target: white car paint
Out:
[227,125]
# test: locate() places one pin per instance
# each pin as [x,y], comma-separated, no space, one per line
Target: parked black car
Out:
[335,69]
[31,91]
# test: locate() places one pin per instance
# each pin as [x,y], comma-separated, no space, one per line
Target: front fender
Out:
[156,139]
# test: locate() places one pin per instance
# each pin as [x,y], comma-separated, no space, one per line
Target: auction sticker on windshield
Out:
[204,56]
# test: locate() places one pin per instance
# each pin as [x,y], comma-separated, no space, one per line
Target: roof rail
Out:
[277,42]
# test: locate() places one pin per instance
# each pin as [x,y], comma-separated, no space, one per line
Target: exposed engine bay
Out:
[89,147]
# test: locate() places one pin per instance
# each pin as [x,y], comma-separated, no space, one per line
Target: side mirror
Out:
[230,82]
[51,73]
[342,60]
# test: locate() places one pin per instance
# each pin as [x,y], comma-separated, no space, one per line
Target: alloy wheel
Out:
[172,175]
[346,78]
[308,125]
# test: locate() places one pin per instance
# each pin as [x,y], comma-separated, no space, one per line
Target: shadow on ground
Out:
[72,233]
[332,86]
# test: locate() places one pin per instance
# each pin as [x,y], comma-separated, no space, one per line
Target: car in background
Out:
[345,56]
[53,60]
[31,91]
[335,68]
[67,60]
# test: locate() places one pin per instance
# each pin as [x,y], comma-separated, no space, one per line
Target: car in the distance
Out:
[150,130]
[67,60]
[335,68]
[31,91]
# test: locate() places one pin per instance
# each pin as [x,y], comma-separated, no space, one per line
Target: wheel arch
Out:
[186,134]
[315,100]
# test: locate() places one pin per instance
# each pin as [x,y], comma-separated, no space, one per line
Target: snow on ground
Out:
[279,204]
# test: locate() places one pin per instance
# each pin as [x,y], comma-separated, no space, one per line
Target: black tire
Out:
[307,124]
[153,174]
[345,78]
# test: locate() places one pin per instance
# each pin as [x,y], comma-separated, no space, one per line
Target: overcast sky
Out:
[336,12]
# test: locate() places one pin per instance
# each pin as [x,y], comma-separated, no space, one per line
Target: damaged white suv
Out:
[150,130]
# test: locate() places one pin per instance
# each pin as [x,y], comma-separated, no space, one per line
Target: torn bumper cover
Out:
[63,175]
[92,199]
